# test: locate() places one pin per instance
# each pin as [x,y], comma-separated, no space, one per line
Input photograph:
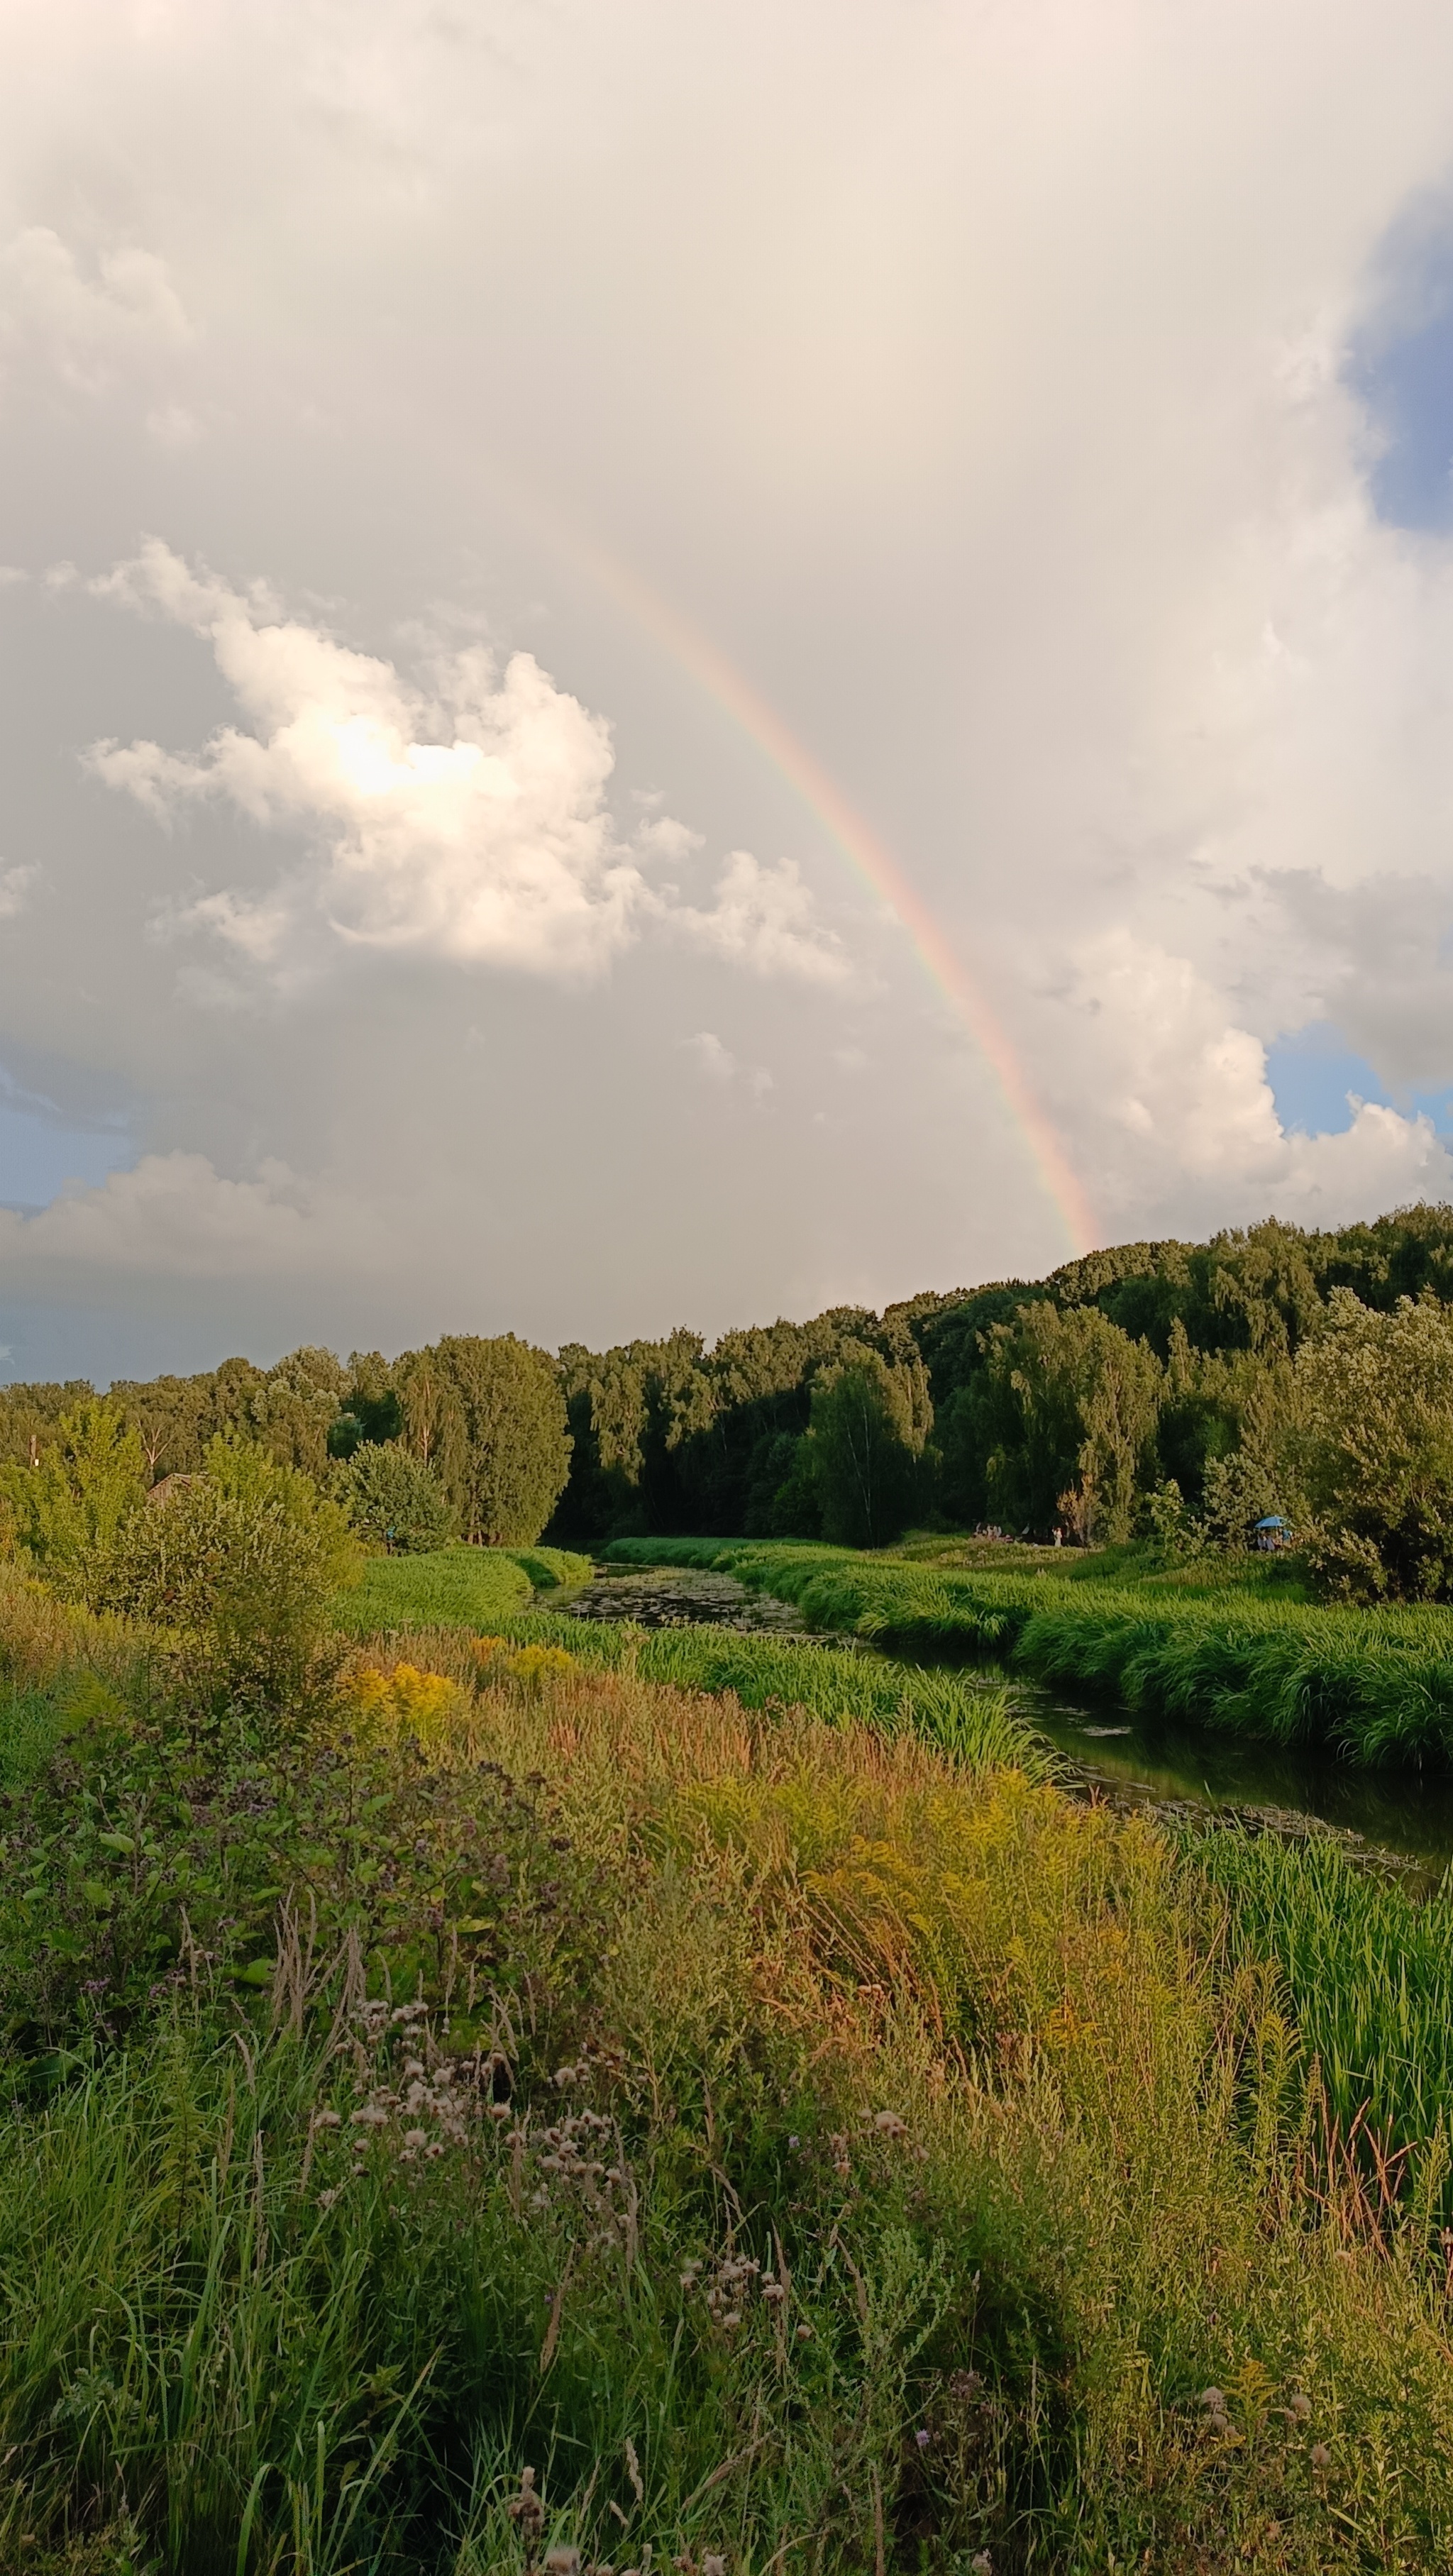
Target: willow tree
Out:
[487,1417]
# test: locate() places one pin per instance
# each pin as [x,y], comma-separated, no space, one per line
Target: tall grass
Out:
[976,1723]
[1369,1971]
[941,2167]
[1373,1686]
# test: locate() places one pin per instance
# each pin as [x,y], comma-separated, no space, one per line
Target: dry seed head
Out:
[1321,2456]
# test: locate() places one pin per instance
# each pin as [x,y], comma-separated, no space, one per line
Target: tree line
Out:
[1178,1391]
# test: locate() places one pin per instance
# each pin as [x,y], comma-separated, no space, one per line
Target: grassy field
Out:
[688,2099]
[1372,1686]
[471,1585]
[545,2108]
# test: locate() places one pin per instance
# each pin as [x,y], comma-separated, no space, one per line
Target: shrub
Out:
[72,1506]
[243,1562]
[392,1499]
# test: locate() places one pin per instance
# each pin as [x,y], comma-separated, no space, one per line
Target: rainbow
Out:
[860,846]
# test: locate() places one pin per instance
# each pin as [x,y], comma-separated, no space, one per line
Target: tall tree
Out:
[488,1418]
[870,1420]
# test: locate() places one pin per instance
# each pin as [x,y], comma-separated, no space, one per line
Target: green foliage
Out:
[488,1418]
[1373,1438]
[1372,1686]
[1369,1971]
[767,2136]
[393,1500]
[472,1586]
[870,1421]
[71,1509]
[1073,1409]
[242,1561]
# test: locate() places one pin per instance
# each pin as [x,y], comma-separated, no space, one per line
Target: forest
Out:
[1168,1392]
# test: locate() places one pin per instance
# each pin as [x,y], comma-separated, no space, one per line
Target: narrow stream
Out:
[1131,1759]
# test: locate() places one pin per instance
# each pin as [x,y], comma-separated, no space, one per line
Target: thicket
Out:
[531,2109]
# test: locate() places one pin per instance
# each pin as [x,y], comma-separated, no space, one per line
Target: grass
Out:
[1372,1686]
[711,2074]
[1369,1974]
[472,1585]
[846,2096]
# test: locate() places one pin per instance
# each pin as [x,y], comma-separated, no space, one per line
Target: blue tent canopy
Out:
[1273,1520]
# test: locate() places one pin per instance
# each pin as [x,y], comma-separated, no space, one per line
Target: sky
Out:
[673,665]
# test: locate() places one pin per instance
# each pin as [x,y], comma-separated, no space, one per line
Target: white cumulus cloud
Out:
[465,821]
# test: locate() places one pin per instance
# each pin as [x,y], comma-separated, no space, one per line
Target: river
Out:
[1406,1816]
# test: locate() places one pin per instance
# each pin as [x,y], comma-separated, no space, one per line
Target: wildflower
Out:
[711,2566]
[1299,2408]
[923,2437]
[416,2137]
[1321,2456]
[369,2116]
[794,2142]
[981,2564]
[327,2119]
[562,2562]
[326,2199]
[773,2293]
[888,2124]
[1213,2401]
[804,2334]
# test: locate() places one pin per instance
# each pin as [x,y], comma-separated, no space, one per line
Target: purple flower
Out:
[922,2438]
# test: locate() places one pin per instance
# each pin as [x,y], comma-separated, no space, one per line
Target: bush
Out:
[242,1561]
[393,1501]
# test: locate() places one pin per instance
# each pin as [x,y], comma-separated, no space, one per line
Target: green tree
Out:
[1071,1409]
[1371,1441]
[71,1507]
[870,1421]
[488,1418]
[393,1500]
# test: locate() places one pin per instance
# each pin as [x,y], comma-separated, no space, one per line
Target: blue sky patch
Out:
[1313,1071]
[39,1155]
[1401,365]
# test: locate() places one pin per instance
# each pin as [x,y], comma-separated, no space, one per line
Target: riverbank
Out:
[1372,1687]
[657,2128]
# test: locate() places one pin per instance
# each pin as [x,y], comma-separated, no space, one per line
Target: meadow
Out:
[570,2097]
[1227,1650]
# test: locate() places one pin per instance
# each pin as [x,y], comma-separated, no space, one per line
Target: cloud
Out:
[721,1068]
[15,885]
[173,1216]
[467,822]
[1178,1110]
[83,327]
[764,918]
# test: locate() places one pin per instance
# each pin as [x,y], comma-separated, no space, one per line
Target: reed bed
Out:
[472,1585]
[1374,1687]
